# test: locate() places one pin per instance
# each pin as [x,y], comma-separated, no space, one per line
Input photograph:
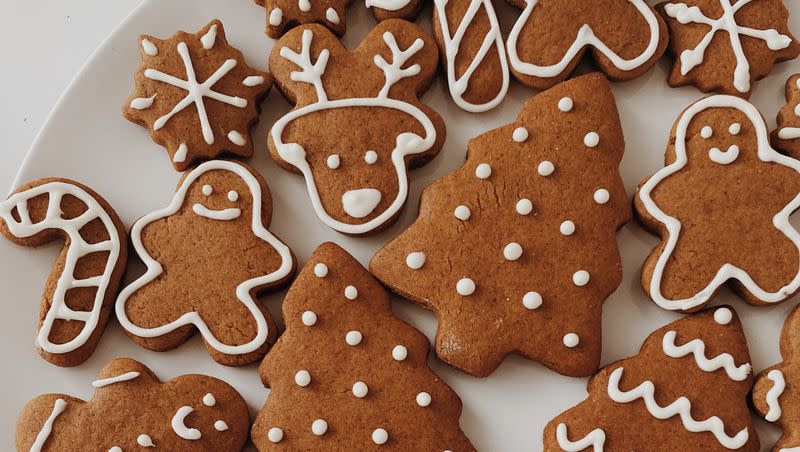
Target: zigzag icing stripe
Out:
[596,439]
[774,393]
[698,348]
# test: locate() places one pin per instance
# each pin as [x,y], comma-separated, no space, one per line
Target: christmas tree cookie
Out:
[349,375]
[685,390]
[516,251]
[776,394]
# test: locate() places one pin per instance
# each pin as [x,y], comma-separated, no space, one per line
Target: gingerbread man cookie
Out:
[685,390]
[721,206]
[132,410]
[726,45]
[349,375]
[550,37]
[197,96]
[283,15]
[516,251]
[208,254]
[80,291]
[787,136]
[358,124]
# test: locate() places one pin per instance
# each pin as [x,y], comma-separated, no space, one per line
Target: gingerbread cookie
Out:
[80,291]
[550,37]
[685,390]
[726,45]
[349,375]
[132,410]
[473,52]
[516,251]
[283,15]
[787,137]
[394,9]
[208,254]
[197,96]
[776,394]
[358,124]
[721,206]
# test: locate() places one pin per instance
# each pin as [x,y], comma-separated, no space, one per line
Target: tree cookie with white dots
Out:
[283,15]
[357,124]
[197,96]
[208,255]
[726,45]
[516,251]
[349,375]
[721,206]
[132,410]
[686,389]
[786,137]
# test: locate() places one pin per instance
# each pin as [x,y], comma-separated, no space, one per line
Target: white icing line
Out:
[697,348]
[388,5]
[774,394]
[58,407]
[179,426]
[209,38]
[595,439]
[231,213]
[119,378]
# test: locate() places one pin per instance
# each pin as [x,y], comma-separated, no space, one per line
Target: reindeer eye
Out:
[207,190]
[371,157]
[333,161]
[706,132]
[233,196]
[735,128]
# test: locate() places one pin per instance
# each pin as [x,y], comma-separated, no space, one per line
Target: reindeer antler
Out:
[394,72]
[311,73]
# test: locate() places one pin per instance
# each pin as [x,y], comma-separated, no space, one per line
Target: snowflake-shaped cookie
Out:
[725,45]
[197,95]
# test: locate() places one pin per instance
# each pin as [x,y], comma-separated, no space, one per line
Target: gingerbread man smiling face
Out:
[207,254]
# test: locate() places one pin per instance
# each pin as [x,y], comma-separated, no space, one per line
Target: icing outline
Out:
[697,348]
[594,439]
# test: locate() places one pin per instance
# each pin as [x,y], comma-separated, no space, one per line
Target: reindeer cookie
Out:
[132,410]
[358,123]
[197,96]
[787,136]
[283,15]
[626,38]
[721,206]
[80,291]
[776,394]
[208,254]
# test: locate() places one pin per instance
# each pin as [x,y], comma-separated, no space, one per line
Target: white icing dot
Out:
[601,196]
[462,213]
[423,399]
[275,434]
[350,292]
[415,260]
[546,168]
[567,228]
[465,287]
[512,251]
[220,426]
[253,80]
[319,427]
[236,138]
[565,104]
[149,48]
[380,436]
[580,278]
[334,161]
[360,389]
[735,128]
[571,340]
[233,196]
[302,378]
[706,132]
[399,353]
[208,189]
[483,171]
[524,206]
[115,449]
[209,400]
[532,300]
[723,316]
[145,441]
[275,17]
[332,16]
[520,134]
[353,338]
[371,157]
[321,270]
[591,140]
[309,318]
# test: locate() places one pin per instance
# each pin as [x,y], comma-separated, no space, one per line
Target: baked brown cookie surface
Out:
[349,375]
[283,15]
[786,137]
[686,389]
[79,294]
[132,410]
[208,255]
[516,250]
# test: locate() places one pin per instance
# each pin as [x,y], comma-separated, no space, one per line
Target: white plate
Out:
[86,138]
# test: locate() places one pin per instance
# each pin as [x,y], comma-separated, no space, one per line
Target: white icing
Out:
[353,338]
[602,196]
[532,300]
[142,103]
[735,128]
[302,378]
[512,251]
[119,378]
[405,144]
[520,134]
[115,449]
[416,260]
[209,399]
[275,19]
[673,226]
[144,440]
[370,157]
[591,140]
[706,132]
[580,278]
[774,394]
[571,340]
[565,104]
[462,213]
[524,206]
[380,436]
[424,399]
[209,38]
[483,171]
[350,292]
[58,407]
[309,318]
[360,203]
[228,214]
[253,80]
[546,168]
[360,389]
[595,439]
[332,16]
[452,46]
[465,287]
[691,58]
[388,5]
[233,196]
[567,228]
[681,407]
[319,427]
[697,348]
[321,270]
[243,290]
[275,434]
[78,247]
[399,353]
[236,138]
[220,426]
[304,5]
[585,37]
[723,316]
[207,189]
[149,48]
[724,157]
[179,425]
[180,154]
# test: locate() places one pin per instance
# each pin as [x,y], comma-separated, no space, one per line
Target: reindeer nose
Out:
[360,203]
